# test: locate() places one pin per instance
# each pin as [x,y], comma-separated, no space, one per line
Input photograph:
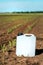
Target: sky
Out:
[21,5]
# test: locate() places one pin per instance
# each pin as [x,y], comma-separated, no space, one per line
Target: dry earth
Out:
[10,58]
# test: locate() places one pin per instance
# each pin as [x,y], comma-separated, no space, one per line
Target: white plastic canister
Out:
[25,45]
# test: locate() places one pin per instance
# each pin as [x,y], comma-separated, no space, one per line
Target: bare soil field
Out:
[35,26]
[10,26]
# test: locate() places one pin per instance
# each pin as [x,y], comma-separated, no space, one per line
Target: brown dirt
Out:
[5,37]
[10,58]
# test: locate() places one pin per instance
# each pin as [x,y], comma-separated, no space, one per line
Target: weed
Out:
[9,46]
[12,43]
[4,48]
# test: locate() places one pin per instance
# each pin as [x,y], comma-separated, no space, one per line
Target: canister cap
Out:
[20,33]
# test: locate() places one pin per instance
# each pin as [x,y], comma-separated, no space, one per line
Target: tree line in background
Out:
[29,12]
[21,12]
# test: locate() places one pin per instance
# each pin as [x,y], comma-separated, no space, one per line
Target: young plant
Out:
[12,43]
[4,48]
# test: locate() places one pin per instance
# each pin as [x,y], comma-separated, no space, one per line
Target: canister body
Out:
[26,45]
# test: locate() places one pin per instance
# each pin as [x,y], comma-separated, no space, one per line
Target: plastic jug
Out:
[26,45]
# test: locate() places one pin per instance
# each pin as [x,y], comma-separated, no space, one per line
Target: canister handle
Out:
[29,35]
